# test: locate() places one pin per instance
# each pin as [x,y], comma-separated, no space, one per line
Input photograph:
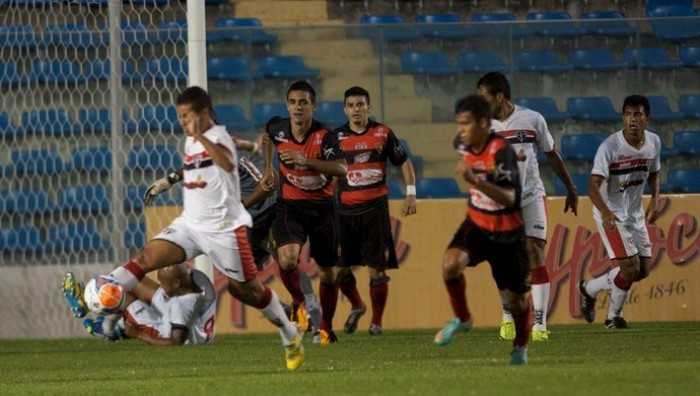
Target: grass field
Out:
[649,359]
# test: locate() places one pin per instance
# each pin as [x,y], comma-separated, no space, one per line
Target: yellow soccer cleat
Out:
[299,316]
[539,335]
[327,338]
[507,330]
[294,354]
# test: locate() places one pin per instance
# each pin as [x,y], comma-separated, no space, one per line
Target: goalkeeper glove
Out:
[160,186]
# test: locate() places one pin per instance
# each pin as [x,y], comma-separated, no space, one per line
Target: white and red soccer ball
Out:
[104,296]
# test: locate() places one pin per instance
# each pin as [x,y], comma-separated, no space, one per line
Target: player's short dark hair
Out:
[197,98]
[474,104]
[637,100]
[356,91]
[495,83]
[304,86]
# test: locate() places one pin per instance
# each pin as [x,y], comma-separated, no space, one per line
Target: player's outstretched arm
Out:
[563,174]
[178,336]
[161,185]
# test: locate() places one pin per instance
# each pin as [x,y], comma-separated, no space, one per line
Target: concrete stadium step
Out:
[300,12]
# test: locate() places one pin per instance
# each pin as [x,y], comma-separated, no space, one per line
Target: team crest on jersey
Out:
[328,152]
[361,158]
[521,135]
[501,173]
[341,136]
[280,137]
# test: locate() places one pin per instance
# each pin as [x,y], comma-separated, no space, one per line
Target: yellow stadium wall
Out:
[417,297]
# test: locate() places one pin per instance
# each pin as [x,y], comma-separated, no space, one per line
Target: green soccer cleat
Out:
[447,334]
[539,335]
[518,356]
[507,330]
[73,293]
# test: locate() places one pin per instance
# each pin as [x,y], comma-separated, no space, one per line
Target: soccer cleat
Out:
[447,334]
[587,303]
[294,353]
[518,356]
[327,337]
[539,335]
[353,319]
[73,293]
[375,329]
[617,322]
[507,330]
[299,317]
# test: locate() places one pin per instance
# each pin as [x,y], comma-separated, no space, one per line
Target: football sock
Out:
[378,293]
[290,278]
[620,288]
[540,296]
[522,328]
[603,282]
[128,275]
[348,285]
[329,301]
[456,288]
[275,314]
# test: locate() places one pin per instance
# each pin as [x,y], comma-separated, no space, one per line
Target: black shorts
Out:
[508,260]
[297,221]
[261,240]
[365,236]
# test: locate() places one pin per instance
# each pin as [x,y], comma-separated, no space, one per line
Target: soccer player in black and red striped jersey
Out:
[493,230]
[309,158]
[365,229]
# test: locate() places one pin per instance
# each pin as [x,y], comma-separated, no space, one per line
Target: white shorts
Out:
[229,252]
[626,239]
[535,218]
[149,317]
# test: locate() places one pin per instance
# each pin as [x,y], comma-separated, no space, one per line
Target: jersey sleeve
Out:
[656,165]
[330,148]
[601,162]
[222,137]
[545,141]
[395,151]
[270,128]
[182,310]
[506,173]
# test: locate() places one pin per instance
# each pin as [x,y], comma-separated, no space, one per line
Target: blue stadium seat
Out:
[154,158]
[437,187]
[388,28]
[43,162]
[77,237]
[47,121]
[545,106]
[7,128]
[650,58]
[74,35]
[580,180]
[600,59]
[395,188]
[167,69]
[99,69]
[331,114]
[480,62]
[592,108]
[56,72]
[687,143]
[98,120]
[135,235]
[432,63]
[673,22]
[442,26]
[173,31]
[690,56]
[9,74]
[581,147]
[661,109]
[287,67]
[689,105]
[540,62]
[89,198]
[21,239]
[233,69]
[245,30]
[554,24]
[607,23]
[18,36]
[684,180]
[25,201]
[485,24]
[262,112]
[233,117]
[93,159]
[160,118]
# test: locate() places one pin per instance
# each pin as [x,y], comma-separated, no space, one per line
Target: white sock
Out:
[124,277]
[540,299]
[617,300]
[603,282]
[507,316]
[275,314]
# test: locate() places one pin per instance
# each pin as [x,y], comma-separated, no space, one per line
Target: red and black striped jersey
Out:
[366,153]
[300,182]
[497,164]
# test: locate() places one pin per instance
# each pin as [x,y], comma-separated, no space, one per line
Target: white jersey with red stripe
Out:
[212,196]
[526,130]
[626,170]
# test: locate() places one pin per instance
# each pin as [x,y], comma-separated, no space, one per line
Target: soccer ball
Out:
[102,296]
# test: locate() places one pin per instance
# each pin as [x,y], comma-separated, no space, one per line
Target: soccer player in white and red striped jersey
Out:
[526,130]
[213,222]
[623,165]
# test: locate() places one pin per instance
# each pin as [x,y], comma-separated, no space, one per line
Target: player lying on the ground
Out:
[179,311]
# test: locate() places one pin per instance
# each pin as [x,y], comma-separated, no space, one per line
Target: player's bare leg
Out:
[378,292]
[453,264]
[328,293]
[156,254]
[348,286]
[288,258]
[519,306]
[539,279]
[255,294]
